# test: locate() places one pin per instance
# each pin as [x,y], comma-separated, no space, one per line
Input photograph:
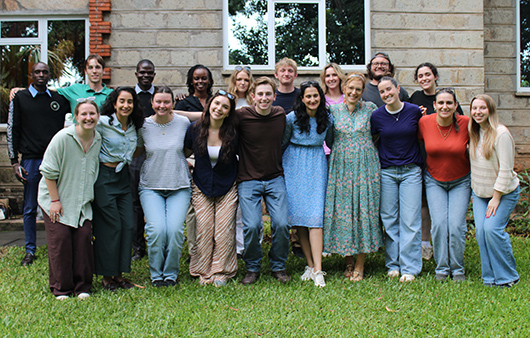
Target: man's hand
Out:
[20,172]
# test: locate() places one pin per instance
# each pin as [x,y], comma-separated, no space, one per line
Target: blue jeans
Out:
[496,256]
[448,203]
[31,190]
[274,193]
[401,217]
[165,211]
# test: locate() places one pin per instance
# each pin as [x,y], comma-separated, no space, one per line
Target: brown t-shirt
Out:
[260,141]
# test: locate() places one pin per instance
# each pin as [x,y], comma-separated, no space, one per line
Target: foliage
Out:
[525,41]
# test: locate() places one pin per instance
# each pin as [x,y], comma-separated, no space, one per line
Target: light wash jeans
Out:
[275,196]
[165,211]
[401,217]
[448,203]
[496,255]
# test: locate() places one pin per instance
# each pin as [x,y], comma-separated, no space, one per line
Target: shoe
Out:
[318,277]
[219,282]
[110,286]
[124,284]
[508,285]
[406,278]
[61,297]
[393,273]
[171,282]
[138,255]
[459,278]
[28,259]
[349,270]
[281,276]
[357,276]
[426,252]
[159,283]
[308,274]
[250,278]
[83,295]
[440,277]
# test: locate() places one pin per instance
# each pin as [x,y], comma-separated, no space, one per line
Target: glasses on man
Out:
[380,64]
[227,94]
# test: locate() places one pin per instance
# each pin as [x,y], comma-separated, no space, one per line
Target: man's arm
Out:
[13,141]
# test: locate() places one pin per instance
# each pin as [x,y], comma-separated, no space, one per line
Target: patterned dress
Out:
[351,220]
[306,170]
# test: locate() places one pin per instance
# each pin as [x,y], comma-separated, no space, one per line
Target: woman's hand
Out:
[493,204]
[423,110]
[56,210]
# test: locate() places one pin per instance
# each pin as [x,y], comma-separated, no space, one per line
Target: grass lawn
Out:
[375,307]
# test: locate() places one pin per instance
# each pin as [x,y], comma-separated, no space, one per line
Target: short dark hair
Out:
[391,69]
[149,62]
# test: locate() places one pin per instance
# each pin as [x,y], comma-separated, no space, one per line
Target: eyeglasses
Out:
[227,94]
[380,64]
[240,68]
[86,99]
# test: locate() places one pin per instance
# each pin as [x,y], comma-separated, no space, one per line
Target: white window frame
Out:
[321,36]
[518,42]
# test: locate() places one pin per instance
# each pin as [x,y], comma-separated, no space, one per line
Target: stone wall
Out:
[33,7]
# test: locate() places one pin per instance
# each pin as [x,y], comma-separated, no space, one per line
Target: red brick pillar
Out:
[98,27]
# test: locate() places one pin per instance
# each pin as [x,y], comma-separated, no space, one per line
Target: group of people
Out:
[338,161]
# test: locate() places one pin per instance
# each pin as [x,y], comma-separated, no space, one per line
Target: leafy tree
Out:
[525,42]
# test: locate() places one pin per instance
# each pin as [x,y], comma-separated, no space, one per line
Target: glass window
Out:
[312,32]
[20,29]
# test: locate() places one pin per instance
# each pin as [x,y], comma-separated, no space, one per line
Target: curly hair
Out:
[300,109]
[137,115]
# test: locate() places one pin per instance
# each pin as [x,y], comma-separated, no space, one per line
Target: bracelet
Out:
[57,200]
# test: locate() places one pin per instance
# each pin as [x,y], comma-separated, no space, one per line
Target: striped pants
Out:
[213,257]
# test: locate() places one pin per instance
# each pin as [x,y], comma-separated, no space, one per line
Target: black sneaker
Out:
[28,259]
[159,283]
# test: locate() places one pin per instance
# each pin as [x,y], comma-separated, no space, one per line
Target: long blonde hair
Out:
[490,132]
[339,72]
[232,84]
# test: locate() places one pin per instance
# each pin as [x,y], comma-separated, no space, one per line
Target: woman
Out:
[496,191]
[69,170]
[200,82]
[213,140]
[121,117]
[240,81]
[447,182]
[396,124]
[351,223]
[331,79]
[164,187]
[305,169]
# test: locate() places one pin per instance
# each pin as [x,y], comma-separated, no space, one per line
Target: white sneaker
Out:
[83,295]
[61,297]
[318,277]
[407,278]
[426,252]
[393,273]
[308,274]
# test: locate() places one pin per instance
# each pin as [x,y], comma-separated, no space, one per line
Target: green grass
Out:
[375,307]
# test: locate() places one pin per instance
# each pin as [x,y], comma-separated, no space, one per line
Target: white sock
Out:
[426,244]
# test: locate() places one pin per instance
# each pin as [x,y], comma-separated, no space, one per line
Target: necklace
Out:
[444,135]
[396,118]
[86,145]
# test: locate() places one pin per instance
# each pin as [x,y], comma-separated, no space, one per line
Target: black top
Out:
[33,122]
[419,98]
[145,101]
[190,103]
[286,100]
[216,181]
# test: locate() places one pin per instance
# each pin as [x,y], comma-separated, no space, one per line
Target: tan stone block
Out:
[499,33]
[137,5]
[54,5]
[210,57]
[160,57]
[181,4]
[171,77]
[498,3]
[125,38]
[500,66]
[183,57]
[499,16]
[514,117]
[454,39]
[427,21]
[467,6]
[172,38]
[412,57]
[206,38]
[500,49]
[124,57]
[500,83]
[211,20]
[123,76]
[510,101]
[521,135]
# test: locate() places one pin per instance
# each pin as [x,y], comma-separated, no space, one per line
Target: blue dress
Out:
[305,169]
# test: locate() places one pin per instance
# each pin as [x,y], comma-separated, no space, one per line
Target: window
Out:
[523,46]
[60,42]
[312,32]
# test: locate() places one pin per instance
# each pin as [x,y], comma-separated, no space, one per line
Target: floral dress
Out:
[351,219]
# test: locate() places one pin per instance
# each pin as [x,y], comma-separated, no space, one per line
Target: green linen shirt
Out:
[82,91]
[75,172]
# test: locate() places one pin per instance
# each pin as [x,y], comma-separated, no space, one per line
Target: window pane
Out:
[296,30]
[20,29]
[345,31]
[14,69]
[247,37]
[525,42]
[66,51]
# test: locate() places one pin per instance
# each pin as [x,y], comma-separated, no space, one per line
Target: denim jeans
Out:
[31,190]
[401,217]
[496,255]
[165,211]
[275,196]
[448,203]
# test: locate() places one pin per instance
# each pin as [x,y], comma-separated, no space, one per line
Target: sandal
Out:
[356,277]
[110,286]
[349,271]
[124,284]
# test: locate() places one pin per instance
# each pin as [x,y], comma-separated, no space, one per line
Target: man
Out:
[260,176]
[35,116]
[94,66]
[285,71]
[379,66]
[145,73]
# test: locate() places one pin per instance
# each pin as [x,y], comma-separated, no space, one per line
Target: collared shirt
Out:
[118,145]
[82,91]
[34,91]
[75,172]
[145,97]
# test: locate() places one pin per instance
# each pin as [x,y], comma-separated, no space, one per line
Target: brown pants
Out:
[70,257]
